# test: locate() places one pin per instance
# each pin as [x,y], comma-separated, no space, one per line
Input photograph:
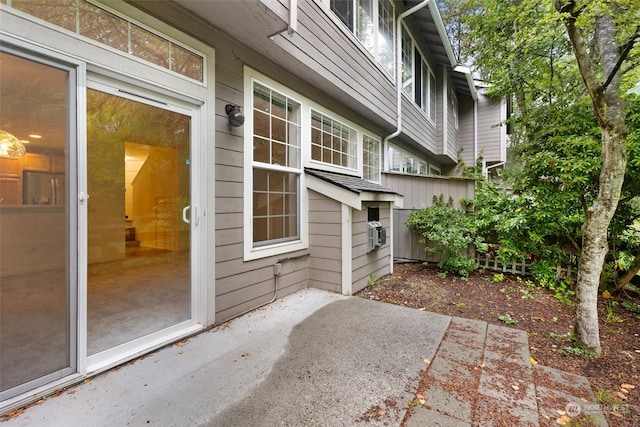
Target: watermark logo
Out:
[573,409]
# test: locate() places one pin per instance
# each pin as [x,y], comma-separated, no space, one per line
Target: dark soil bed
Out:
[506,299]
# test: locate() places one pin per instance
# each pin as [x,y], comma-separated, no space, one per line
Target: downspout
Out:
[292,25]
[399,73]
[293,17]
[398,99]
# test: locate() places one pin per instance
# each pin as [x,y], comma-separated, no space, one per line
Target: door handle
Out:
[184,214]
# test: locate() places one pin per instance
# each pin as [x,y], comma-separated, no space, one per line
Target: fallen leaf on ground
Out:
[181,352]
[515,387]
[627,386]
[620,395]
[427,361]
[563,420]
[245,355]
[420,398]
[532,360]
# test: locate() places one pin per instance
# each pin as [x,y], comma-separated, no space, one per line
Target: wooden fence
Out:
[490,262]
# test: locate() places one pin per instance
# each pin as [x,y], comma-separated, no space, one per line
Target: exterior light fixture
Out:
[236,118]
[10,146]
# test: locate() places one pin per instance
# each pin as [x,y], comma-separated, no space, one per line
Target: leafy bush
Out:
[453,232]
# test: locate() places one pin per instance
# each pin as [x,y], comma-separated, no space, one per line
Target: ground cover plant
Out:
[520,302]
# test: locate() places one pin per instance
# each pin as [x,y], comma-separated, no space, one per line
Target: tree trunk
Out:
[610,110]
[595,234]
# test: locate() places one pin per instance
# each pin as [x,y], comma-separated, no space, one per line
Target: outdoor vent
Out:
[376,235]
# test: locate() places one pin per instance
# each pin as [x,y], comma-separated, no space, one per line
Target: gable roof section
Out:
[348,189]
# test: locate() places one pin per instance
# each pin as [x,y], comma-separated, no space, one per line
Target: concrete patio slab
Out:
[316,358]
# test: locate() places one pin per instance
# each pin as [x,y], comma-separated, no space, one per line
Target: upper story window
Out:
[427,91]
[407,62]
[404,162]
[418,81]
[372,22]
[370,158]
[333,142]
[123,34]
[453,106]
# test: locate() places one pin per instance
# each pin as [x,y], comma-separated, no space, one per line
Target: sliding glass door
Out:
[138,213]
[38,304]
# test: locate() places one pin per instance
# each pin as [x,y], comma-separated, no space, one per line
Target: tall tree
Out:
[600,48]
[549,55]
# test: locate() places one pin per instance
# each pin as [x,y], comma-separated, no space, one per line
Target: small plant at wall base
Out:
[452,231]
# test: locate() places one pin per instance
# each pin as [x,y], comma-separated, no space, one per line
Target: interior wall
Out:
[106,225]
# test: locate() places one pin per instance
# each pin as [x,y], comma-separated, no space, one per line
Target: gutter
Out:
[399,71]
[437,19]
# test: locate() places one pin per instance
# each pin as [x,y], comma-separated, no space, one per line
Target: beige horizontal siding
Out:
[325,242]
[376,262]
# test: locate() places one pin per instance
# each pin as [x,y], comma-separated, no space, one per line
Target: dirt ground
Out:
[506,299]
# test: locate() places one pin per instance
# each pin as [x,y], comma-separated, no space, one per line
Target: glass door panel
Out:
[37,290]
[138,231]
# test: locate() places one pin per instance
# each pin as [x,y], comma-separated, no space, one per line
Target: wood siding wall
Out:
[466,130]
[240,285]
[491,136]
[376,262]
[344,68]
[418,190]
[325,243]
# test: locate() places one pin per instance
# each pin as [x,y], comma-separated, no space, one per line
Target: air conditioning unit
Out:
[376,235]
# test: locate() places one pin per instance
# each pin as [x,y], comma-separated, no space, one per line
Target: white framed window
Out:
[404,162]
[333,142]
[427,90]
[432,97]
[108,27]
[276,167]
[407,63]
[385,39]
[370,158]
[453,106]
[372,22]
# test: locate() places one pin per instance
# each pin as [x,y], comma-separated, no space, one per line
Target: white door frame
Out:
[129,350]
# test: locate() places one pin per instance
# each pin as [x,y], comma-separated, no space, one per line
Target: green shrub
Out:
[453,232]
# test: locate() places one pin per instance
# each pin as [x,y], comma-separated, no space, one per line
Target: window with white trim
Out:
[276,167]
[407,62]
[107,27]
[333,142]
[404,162]
[453,106]
[372,22]
[427,90]
[284,133]
[370,158]
[418,80]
